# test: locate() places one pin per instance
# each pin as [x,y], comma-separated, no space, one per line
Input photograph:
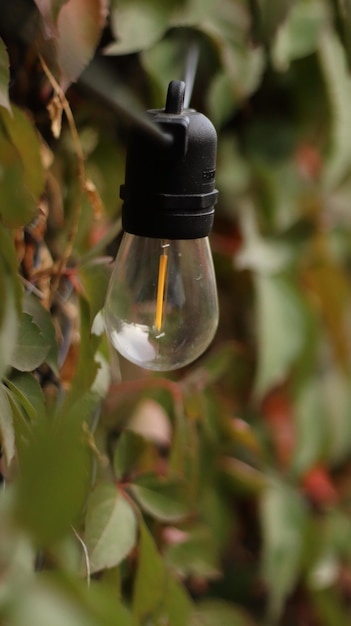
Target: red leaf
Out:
[309,161]
[278,415]
[318,486]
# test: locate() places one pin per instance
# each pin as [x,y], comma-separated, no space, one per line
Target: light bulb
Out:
[161,308]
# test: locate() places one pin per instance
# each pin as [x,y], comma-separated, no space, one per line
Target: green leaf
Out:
[130,449]
[44,603]
[217,364]
[10,302]
[268,15]
[102,380]
[43,319]
[328,604]
[222,100]
[239,78]
[336,390]
[150,581]
[31,348]
[299,35]
[322,415]
[177,607]
[217,513]
[7,433]
[4,77]
[104,604]
[95,277]
[215,612]
[241,476]
[137,24]
[9,324]
[194,13]
[281,330]
[17,204]
[17,555]
[283,520]
[110,529]
[88,365]
[196,555]
[164,499]
[164,58]
[28,393]
[10,265]
[258,254]
[312,429]
[55,474]
[25,139]
[21,423]
[342,19]
[338,84]
[157,597]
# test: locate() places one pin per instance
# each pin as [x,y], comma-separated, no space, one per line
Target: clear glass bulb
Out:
[161,308]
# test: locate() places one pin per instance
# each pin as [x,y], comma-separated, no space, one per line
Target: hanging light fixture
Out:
[161,309]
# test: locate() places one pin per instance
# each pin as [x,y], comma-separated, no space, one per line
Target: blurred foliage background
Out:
[220,495]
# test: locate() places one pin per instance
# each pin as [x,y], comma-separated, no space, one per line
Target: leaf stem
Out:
[84,183]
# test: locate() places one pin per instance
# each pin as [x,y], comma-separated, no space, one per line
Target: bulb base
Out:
[169,189]
[170,216]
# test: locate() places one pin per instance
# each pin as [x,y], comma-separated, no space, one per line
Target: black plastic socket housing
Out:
[169,189]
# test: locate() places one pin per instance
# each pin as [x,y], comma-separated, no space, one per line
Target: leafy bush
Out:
[218,495]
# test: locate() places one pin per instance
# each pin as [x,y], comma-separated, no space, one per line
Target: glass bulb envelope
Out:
[161,309]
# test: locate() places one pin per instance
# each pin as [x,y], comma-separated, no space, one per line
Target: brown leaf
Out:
[4,77]
[50,10]
[55,110]
[94,198]
[328,283]
[79,24]
[74,27]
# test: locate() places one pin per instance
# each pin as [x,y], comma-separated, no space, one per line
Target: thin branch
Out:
[32,288]
[101,458]
[69,115]
[81,173]
[86,556]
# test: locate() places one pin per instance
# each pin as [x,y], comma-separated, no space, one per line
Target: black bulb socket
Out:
[169,189]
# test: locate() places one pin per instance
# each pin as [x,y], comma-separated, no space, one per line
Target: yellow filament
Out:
[161,290]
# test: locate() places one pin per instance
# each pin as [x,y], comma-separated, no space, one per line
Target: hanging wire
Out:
[101,80]
[104,83]
[191,64]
